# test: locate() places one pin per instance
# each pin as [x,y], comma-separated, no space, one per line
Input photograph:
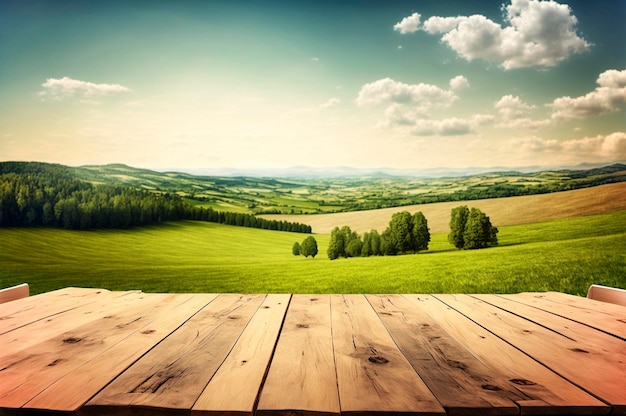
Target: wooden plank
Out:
[598,368]
[455,376]
[25,311]
[171,376]
[607,294]
[235,387]
[606,317]
[25,374]
[551,394]
[9,294]
[373,376]
[599,350]
[28,336]
[69,393]
[303,364]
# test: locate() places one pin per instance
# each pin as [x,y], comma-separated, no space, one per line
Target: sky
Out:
[405,84]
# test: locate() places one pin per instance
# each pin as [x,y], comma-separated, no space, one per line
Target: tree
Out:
[405,234]
[458,218]
[479,233]
[388,246]
[337,244]
[421,234]
[354,248]
[309,247]
[471,229]
[340,238]
[296,249]
[400,232]
[375,243]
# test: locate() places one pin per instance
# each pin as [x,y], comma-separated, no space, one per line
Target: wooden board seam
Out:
[562,316]
[269,364]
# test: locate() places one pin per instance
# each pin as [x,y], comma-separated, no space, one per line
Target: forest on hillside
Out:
[38,194]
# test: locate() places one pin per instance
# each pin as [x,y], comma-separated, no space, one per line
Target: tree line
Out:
[48,195]
[408,234]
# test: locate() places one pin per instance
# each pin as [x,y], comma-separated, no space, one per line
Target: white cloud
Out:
[540,33]
[611,147]
[409,24]
[68,87]
[437,24]
[331,103]
[449,126]
[515,114]
[511,107]
[388,91]
[459,83]
[539,145]
[604,99]
[408,107]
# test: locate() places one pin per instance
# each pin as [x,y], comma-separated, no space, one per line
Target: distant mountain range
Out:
[307,172]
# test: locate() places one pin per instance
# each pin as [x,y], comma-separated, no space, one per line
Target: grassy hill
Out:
[563,255]
[502,211]
[342,194]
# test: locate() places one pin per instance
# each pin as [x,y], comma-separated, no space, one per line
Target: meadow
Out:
[565,255]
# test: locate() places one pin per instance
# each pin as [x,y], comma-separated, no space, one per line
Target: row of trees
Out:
[52,198]
[306,249]
[406,233]
[469,229]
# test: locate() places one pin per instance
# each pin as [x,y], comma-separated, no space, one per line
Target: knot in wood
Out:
[522,382]
[377,359]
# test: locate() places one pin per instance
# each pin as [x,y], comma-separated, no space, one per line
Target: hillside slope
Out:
[502,211]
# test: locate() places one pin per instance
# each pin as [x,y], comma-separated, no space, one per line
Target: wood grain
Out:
[550,393]
[235,387]
[372,374]
[25,311]
[606,317]
[28,336]
[136,354]
[69,393]
[455,376]
[27,373]
[303,363]
[584,356]
[171,377]
[575,360]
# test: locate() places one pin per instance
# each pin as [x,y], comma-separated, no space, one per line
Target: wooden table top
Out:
[96,352]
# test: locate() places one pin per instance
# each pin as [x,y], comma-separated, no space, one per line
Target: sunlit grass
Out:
[565,255]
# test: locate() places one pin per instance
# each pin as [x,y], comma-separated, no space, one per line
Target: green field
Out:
[343,193]
[564,255]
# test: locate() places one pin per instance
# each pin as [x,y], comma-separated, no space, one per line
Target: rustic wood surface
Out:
[96,352]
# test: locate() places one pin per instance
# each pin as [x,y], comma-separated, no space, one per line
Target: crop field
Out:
[502,211]
[564,255]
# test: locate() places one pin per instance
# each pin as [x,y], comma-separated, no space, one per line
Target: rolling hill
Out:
[502,211]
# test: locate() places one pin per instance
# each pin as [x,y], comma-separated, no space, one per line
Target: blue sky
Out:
[274,84]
